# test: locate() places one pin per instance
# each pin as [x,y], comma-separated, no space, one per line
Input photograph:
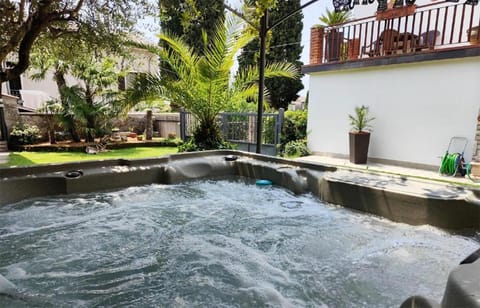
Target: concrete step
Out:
[3,146]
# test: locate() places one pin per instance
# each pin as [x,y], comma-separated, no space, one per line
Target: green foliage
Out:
[268,133]
[25,24]
[361,119]
[332,18]
[203,85]
[189,19]
[294,127]
[93,104]
[191,146]
[24,134]
[296,148]
[155,104]
[188,146]
[285,45]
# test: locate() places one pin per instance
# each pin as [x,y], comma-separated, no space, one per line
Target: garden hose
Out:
[450,163]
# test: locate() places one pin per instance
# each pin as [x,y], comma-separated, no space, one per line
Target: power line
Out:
[278,46]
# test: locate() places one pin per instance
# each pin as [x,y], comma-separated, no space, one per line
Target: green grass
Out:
[34,158]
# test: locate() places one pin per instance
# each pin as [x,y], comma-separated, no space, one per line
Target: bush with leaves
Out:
[296,148]
[294,127]
[192,146]
[23,134]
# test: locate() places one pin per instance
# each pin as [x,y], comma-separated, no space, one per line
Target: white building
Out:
[33,93]
[420,83]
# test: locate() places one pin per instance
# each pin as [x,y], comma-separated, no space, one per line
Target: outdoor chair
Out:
[386,44]
[389,39]
[372,50]
[427,39]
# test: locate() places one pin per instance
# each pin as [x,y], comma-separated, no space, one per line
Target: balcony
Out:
[398,35]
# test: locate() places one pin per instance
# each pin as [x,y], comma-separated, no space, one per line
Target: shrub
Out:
[294,127]
[296,148]
[191,146]
[23,134]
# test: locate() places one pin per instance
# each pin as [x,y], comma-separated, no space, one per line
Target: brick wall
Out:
[316,45]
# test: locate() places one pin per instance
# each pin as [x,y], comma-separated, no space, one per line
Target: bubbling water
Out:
[224,243]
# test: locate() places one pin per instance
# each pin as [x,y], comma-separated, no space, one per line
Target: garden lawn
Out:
[33,158]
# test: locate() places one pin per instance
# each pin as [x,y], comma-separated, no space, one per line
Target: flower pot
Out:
[334,43]
[139,138]
[474,37]
[359,142]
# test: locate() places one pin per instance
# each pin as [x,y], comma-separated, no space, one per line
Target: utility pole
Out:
[261,79]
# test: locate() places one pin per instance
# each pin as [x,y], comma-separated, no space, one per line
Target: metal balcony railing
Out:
[414,30]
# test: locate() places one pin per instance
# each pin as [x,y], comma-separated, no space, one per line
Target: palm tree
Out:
[202,83]
[333,18]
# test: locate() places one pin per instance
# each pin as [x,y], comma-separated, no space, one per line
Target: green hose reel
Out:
[451,164]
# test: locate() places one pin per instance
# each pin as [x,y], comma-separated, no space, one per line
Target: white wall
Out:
[418,108]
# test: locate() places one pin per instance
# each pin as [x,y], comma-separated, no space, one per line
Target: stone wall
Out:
[11,111]
[163,123]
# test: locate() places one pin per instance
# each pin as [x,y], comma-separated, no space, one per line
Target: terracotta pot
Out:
[359,143]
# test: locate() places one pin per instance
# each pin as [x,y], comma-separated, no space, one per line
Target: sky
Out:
[149,27]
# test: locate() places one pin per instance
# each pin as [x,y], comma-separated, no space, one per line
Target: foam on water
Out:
[218,243]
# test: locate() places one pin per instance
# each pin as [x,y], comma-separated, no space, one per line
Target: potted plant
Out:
[334,38]
[359,136]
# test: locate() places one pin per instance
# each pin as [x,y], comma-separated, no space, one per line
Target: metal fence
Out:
[241,128]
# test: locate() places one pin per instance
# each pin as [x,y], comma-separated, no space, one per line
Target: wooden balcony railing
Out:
[414,30]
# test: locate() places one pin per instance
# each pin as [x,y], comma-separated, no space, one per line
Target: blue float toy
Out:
[263,182]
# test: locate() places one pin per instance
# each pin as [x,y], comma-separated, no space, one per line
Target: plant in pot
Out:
[334,38]
[359,136]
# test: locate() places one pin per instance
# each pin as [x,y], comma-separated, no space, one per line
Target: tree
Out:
[56,55]
[94,102]
[203,84]
[188,18]
[22,22]
[284,45]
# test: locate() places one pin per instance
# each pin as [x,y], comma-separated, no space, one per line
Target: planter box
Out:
[359,143]
[396,12]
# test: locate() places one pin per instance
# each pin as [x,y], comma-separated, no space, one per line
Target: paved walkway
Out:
[389,169]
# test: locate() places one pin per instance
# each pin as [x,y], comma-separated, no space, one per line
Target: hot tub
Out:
[195,230]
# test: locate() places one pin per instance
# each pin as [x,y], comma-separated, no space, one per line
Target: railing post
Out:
[183,125]
[224,126]
[279,124]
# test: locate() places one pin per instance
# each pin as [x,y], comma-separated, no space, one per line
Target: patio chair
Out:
[389,39]
[427,39]
[385,45]
[372,50]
